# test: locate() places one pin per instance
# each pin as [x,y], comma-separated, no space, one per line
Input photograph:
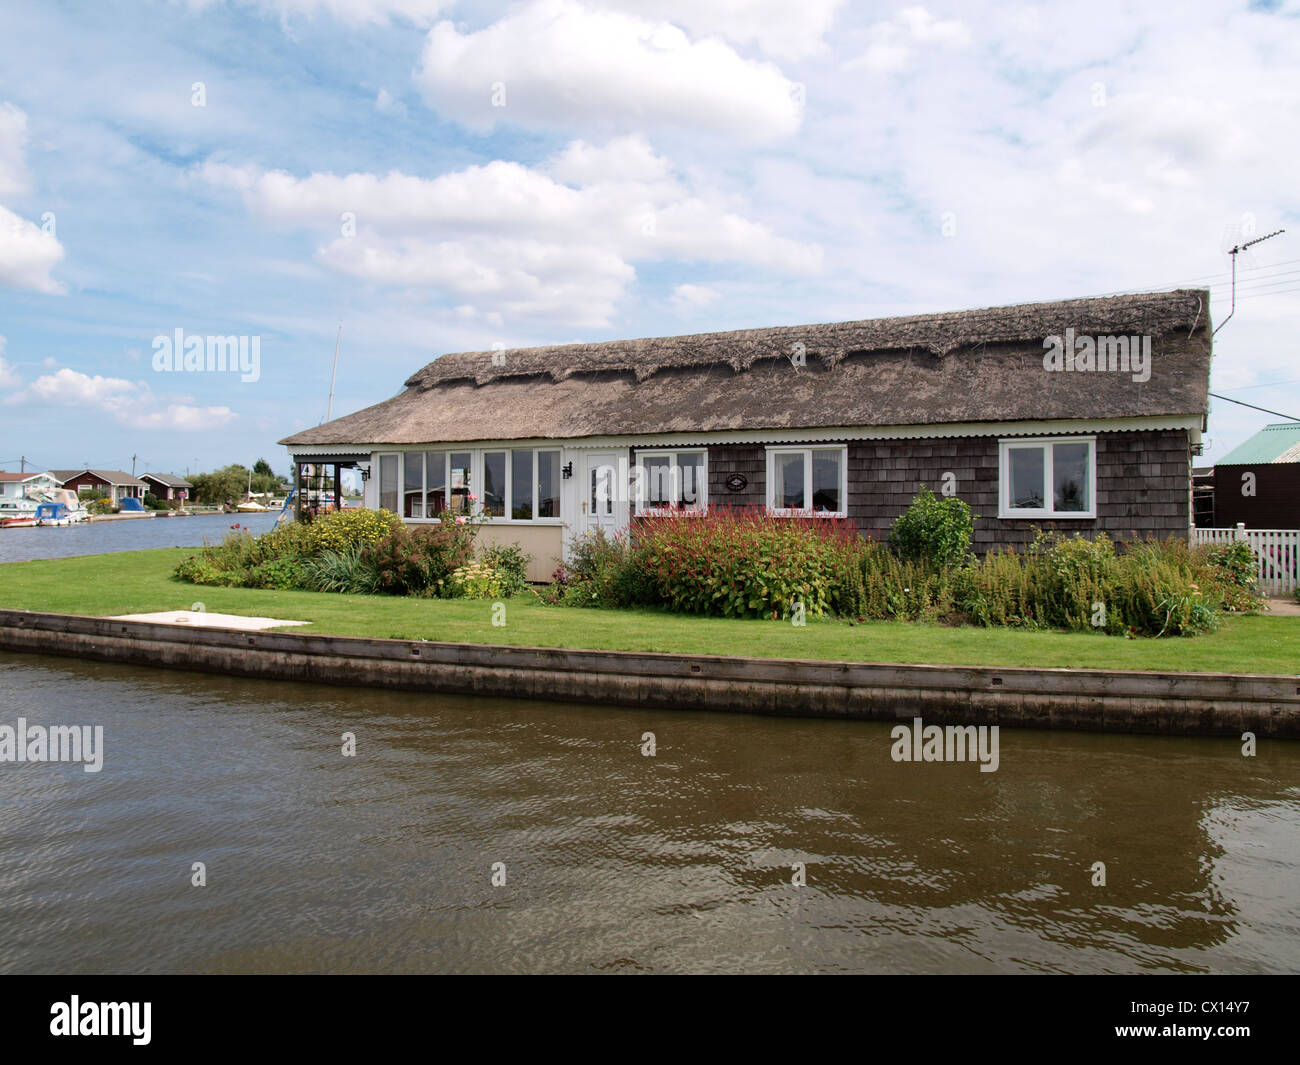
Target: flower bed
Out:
[737,563]
[363,552]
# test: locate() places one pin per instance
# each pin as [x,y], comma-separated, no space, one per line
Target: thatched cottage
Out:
[1084,414]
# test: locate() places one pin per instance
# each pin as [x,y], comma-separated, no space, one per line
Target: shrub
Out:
[1235,560]
[101,505]
[198,570]
[933,530]
[1075,588]
[281,573]
[874,583]
[511,563]
[341,529]
[1003,588]
[741,563]
[605,571]
[1232,571]
[419,559]
[1164,591]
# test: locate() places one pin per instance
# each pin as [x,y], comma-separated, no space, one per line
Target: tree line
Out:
[231,482]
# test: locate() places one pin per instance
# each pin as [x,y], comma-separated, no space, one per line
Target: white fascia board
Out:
[1047,427]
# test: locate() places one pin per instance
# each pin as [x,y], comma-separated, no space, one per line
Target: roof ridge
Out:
[939,333]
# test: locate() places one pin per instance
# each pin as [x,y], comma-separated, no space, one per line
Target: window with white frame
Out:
[671,481]
[804,480]
[519,484]
[1049,478]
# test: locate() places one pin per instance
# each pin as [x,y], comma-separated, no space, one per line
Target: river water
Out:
[128,534]
[615,861]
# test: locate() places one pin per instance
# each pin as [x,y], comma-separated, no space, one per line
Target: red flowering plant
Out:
[742,561]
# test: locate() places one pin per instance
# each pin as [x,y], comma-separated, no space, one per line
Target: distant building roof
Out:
[31,475]
[169,479]
[107,476]
[1279,442]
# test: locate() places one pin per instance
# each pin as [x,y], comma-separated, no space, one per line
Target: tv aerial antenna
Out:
[1234,251]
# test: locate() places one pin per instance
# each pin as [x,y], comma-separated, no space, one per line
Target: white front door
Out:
[604,503]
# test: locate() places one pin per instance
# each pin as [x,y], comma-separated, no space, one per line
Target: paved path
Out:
[1284,608]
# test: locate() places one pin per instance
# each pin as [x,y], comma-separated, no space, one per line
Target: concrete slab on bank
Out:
[1183,704]
[204,619]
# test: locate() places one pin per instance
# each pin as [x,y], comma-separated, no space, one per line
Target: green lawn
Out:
[140,581]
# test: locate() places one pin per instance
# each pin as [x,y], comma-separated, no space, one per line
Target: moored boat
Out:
[17,513]
[52,513]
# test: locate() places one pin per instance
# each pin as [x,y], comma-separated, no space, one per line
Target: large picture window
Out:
[517,485]
[807,480]
[1053,478]
[671,481]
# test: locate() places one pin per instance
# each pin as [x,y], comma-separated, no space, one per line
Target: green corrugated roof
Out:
[1267,445]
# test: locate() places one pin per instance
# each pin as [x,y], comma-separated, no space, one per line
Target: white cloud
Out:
[689,298]
[554,243]
[522,279]
[894,42]
[27,252]
[8,375]
[75,389]
[349,12]
[622,159]
[130,403]
[183,418]
[556,63]
[788,30]
[27,255]
[386,103]
[13,145]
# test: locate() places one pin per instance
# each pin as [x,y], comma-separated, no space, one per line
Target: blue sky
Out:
[447,176]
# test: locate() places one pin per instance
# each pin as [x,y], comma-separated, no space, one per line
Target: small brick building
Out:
[115,483]
[167,485]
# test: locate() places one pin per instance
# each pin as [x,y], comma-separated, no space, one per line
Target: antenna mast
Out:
[1233,252]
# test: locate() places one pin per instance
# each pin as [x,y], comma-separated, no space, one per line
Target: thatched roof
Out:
[980,365]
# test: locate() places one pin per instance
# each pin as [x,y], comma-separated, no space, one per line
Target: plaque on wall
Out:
[737,483]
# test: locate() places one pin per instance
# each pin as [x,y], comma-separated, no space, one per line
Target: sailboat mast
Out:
[329,410]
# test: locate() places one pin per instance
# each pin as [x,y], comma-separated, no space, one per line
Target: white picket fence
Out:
[1277,550]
